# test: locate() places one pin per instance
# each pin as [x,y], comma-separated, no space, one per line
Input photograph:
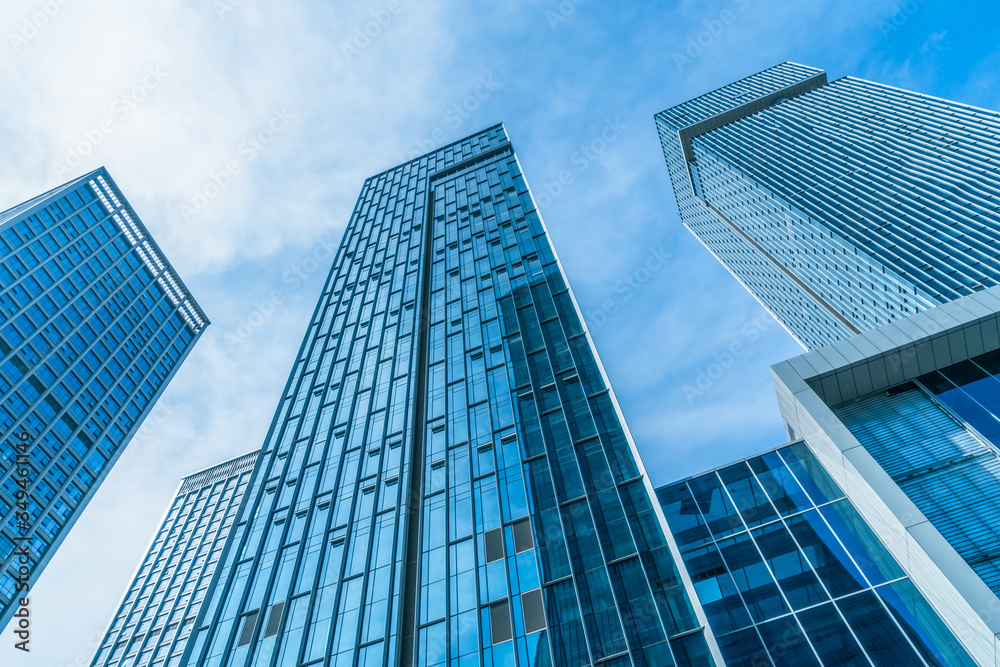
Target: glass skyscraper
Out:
[448,479]
[866,219]
[156,616]
[93,324]
[840,205]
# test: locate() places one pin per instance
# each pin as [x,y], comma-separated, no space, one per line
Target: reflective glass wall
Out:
[448,480]
[93,324]
[155,619]
[788,572]
[919,433]
[841,205]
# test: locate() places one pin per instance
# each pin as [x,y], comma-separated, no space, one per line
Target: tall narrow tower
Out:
[448,478]
[840,205]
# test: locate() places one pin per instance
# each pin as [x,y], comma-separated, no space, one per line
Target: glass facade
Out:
[448,480]
[789,573]
[918,432]
[843,205]
[155,619]
[93,324]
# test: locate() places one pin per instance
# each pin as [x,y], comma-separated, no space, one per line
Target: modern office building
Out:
[93,324]
[904,416]
[790,573]
[840,205]
[156,616]
[448,478]
[866,219]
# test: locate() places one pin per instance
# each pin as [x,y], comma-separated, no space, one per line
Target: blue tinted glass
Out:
[879,636]
[752,577]
[785,492]
[867,549]
[720,515]
[830,637]
[716,590]
[827,556]
[972,411]
[786,643]
[692,650]
[683,516]
[811,474]
[923,626]
[747,494]
[743,649]
[989,362]
[790,567]
[569,646]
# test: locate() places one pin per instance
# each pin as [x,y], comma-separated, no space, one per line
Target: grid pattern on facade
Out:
[89,340]
[155,619]
[445,393]
[946,470]
[788,571]
[761,276]
[882,202]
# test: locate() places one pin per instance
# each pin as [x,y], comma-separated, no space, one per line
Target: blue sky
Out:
[301,107]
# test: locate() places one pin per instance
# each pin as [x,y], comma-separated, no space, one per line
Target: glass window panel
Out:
[936,383]
[867,549]
[963,373]
[880,637]
[792,570]
[827,556]
[923,626]
[682,515]
[716,590]
[786,643]
[692,650]
[785,492]
[971,411]
[743,649]
[811,474]
[720,515]
[830,637]
[752,577]
[747,494]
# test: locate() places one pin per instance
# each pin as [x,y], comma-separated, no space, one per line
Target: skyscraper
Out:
[840,205]
[448,479]
[93,324]
[156,615]
[865,218]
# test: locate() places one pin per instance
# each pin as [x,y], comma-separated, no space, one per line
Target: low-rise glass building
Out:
[156,615]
